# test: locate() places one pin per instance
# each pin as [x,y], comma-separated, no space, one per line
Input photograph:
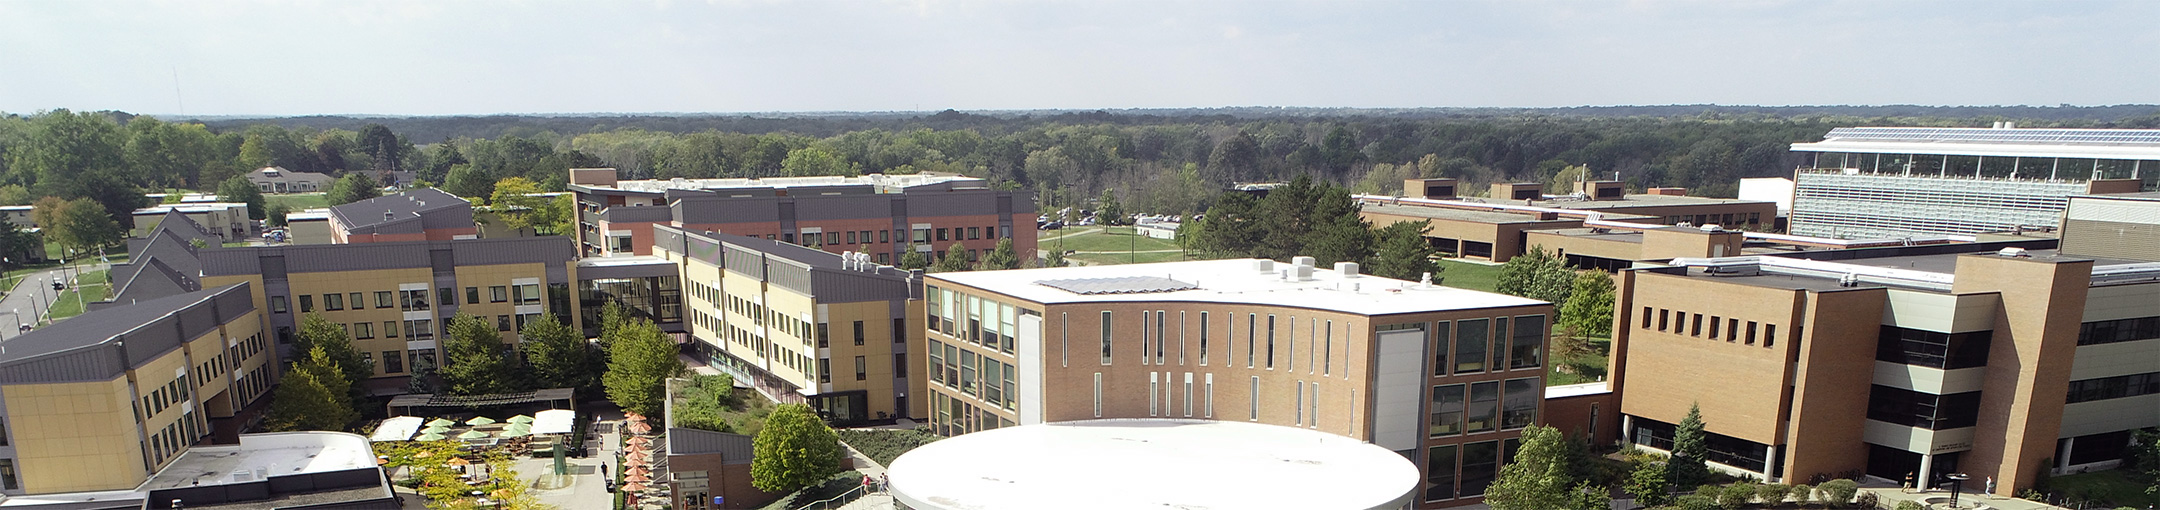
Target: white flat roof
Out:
[265,455]
[2026,150]
[1238,281]
[1167,464]
[882,181]
[194,207]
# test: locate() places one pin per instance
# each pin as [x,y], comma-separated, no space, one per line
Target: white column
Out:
[1770,461]
[1922,478]
[2069,445]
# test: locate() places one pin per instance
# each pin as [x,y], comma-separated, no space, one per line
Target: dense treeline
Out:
[1159,161]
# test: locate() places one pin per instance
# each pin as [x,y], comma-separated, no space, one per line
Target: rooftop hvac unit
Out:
[2012,252]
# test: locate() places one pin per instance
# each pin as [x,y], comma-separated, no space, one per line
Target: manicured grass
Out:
[1106,259]
[1118,239]
[1467,275]
[1593,365]
[2111,488]
[884,445]
[297,201]
[91,286]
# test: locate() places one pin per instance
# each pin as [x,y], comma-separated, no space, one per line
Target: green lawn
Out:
[91,286]
[2111,488]
[1468,275]
[297,201]
[1111,245]
[1593,365]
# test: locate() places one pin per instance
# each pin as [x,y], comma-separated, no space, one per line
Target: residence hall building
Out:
[103,401]
[1861,182]
[278,180]
[1985,359]
[830,328]
[882,215]
[425,214]
[228,221]
[1446,377]
[1495,228]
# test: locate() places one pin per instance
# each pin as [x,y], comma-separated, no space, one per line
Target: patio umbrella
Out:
[634,477]
[516,433]
[480,420]
[439,422]
[474,434]
[520,427]
[459,461]
[435,430]
[639,427]
[633,416]
[521,419]
[639,470]
[431,436]
[633,486]
[640,441]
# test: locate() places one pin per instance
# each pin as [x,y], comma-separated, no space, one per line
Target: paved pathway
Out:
[1891,495]
[32,297]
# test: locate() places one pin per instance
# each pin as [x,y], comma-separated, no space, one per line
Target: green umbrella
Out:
[439,422]
[521,419]
[516,433]
[436,430]
[429,437]
[480,420]
[519,427]
[475,434]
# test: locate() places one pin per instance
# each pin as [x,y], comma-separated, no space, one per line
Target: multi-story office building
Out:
[830,328]
[883,215]
[1991,360]
[1874,182]
[1444,376]
[102,401]
[227,221]
[1496,228]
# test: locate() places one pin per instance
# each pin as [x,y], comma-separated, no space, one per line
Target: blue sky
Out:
[433,58]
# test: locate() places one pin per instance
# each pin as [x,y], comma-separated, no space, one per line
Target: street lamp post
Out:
[1957,483]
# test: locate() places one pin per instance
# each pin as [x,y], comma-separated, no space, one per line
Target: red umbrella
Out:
[640,470]
[633,487]
[632,416]
[637,478]
[640,441]
[639,427]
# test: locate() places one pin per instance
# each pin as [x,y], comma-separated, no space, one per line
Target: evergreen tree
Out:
[1403,252]
[276,214]
[1589,307]
[1541,477]
[1690,449]
[794,450]
[353,187]
[1647,484]
[1286,220]
[1001,258]
[312,396]
[912,259]
[476,365]
[240,189]
[558,357]
[317,333]
[1231,229]
[1108,210]
[1536,275]
[955,260]
[1338,233]
[642,360]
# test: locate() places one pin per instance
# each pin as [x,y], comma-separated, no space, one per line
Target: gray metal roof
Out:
[1118,285]
[102,343]
[407,206]
[733,448]
[1987,135]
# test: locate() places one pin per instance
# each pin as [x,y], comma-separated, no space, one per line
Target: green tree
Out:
[955,260]
[1772,494]
[239,189]
[1404,254]
[2145,456]
[1589,307]
[83,226]
[353,187]
[382,146]
[556,216]
[475,361]
[1802,494]
[815,161]
[1839,493]
[1108,210]
[1056,258]
[558,357]
[1735,495]
[15,194]
[913,259]
[467,180]
[17,245]
[1536,275]
[1339,233]
[513,201]
[1647,484]
[312,396]
[1002,257]
[1540,478]
[641,361]
[1690,449]
[319,334]
[794,450]
[276,214]
[1232,228]
[613,319]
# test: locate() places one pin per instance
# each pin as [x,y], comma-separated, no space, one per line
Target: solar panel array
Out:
[1986,135]
[1119,285]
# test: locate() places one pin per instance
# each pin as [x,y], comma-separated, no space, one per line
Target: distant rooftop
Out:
[1931,271]
[189,207]
[1998,141]
[882,182]
[259,456]
[104,326]
[1238,281]
[394,208]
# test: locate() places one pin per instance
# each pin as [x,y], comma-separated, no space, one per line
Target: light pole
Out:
[1957,483]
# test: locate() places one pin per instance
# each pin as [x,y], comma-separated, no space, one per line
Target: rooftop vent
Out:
[2014,252]
[1713,227]
[1303,261]
[387,215]
[1849,280]
[1348,269]
[1264,266]
[1302,272]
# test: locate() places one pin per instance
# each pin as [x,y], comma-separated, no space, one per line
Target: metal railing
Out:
[838,501]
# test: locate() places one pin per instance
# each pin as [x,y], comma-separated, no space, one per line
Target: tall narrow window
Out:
[1471,335]
[1441,340]
[1153,384]
[1160,318]
[1271,341]
[1143,337]
[1499,344]
[1106,337]
[1297,405]
[1203,338]
[1209,407]
[1188,394]
[1313,405]
[1311,335]
[1098,394]
[1255,394]
[1769,335]
[1252,337]
[1181,338]
[1329,349]
[1716,325]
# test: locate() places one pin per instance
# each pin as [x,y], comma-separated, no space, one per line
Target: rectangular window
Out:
[527,294]
[1252,337]
[899,330]
[858,332]
[7,475]
[1695,329]
[1946,351]
[393,362]
[1447,410]
[1732,329]
[446,295]
[1923,410]
[1483,408]
[1499,348]
[1440,473]
[1751,332]
[1144,337]
[1203,338]
[1209,407]
[1529,340]
[307,303]
[385,299]
[277,304]
[1098,394]
[1106,337]
[2119,330]
[357,302]
[1297,405]
[472,295]
[1188,394]
[1154,380]
[851,237]
[1717,324]
[498,294]
[502,322]
[937,363]
[363,330]
[1441,339]
[899,364]
[1160,318]
[413,300]
[884,236]
[1255,407]
[390,329]
[1663,317]
[1645,323]
[967,372]
[1471,335]
[1519,402]
[2122,386]
[1271,341]
[862,368]
[1769,335]
[1480,462]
